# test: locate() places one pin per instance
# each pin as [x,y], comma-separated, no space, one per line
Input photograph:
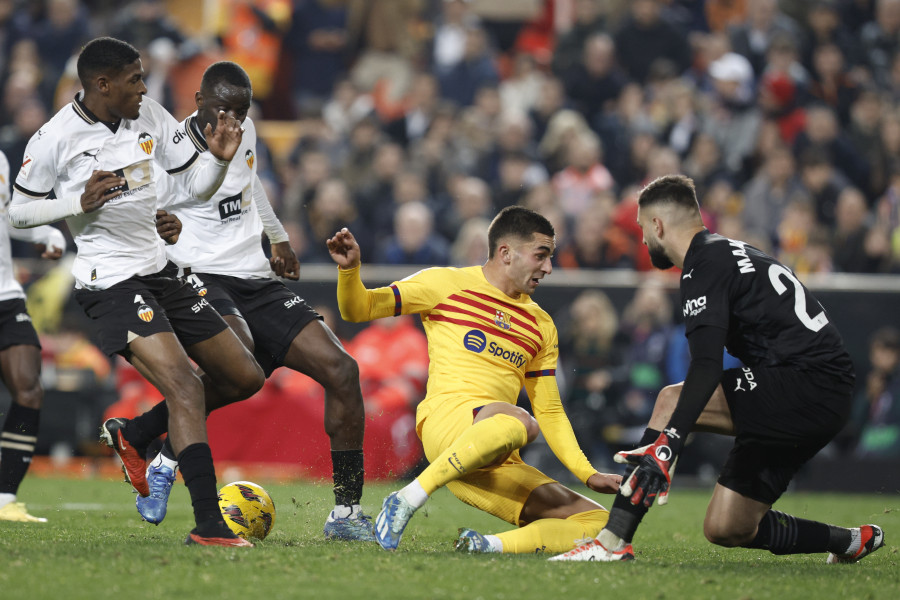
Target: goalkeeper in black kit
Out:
[791,397]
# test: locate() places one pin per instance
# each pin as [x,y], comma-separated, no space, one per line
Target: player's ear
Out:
[101,84]
[198,99]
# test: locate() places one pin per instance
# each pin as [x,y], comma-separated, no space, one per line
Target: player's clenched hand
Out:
[652,476]
[344,249]
[284,262]
[102,187]
[224,141]
[168,226]
[604,483]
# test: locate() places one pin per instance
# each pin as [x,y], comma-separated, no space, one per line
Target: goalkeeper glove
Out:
[654,466]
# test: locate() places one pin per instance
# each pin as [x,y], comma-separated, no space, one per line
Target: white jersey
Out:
[9,286]
[222,236]
[118,240]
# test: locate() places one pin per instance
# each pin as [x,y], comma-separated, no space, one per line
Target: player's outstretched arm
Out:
[224,141]
[344,249]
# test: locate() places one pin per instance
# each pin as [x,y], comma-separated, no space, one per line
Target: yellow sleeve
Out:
[556,427]
[357,303]
[543,391]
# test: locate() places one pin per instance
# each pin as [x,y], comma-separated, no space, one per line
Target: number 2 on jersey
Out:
[812,323]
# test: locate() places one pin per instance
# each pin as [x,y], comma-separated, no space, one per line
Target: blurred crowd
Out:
[414,121]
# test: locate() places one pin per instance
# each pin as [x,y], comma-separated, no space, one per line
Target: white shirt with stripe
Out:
[118,240]
[223,235]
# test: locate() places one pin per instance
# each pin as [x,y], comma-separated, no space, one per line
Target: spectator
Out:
[471,244]
[595,242]
[645,38]
[823,132]
[832,84]
[414,241]
[471,200]
[584,175]
[778,101]
[143,21]
[591,350]
[450,33]
[316,42]
[734,120]
[460,82]
[569,50]
[418,110]
[330,209]
[850,241]
[880,41]
[752,37]
[875,421]
[824,26]
[596,81]
[769,192]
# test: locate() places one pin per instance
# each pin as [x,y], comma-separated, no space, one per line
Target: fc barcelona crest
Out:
[249,158]
[146,142]
[501,319]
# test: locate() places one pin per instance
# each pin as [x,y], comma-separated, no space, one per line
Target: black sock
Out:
[17,441]
[781,533]
[348,472]
[145,428]
[625,517]
[167,450]
[199,476]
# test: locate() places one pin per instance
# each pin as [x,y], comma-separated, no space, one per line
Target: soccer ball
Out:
[248,509]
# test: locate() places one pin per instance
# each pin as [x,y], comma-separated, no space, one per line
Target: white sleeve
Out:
[202,179]
[25,211]
[45,234]
[36,179]
[271,225]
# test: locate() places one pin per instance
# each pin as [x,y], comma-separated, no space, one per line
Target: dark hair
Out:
[888,337]
[104,55]
[516,221]
[227,72]
[673,189]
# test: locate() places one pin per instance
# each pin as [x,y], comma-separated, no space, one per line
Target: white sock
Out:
[855,541]
[610,541]
[342,511]
[7,499]
[414,493]
[164,460]
[496,544]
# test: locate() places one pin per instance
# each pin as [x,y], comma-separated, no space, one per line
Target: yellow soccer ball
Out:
[248,509]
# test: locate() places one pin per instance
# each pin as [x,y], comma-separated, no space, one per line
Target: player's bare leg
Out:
[317,352]
[20,367]
[161,359]
[235,376]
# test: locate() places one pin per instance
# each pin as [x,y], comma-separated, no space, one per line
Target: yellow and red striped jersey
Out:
[483,346]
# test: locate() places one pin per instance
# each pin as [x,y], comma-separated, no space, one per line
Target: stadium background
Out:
[413,121]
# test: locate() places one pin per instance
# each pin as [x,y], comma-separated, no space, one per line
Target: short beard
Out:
[658,257]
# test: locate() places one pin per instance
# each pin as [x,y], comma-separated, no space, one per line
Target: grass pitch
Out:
[95,546]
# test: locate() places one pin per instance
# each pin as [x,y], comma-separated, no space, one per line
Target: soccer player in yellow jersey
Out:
[486,339]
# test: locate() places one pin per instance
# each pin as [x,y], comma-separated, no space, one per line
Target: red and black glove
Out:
[655,464]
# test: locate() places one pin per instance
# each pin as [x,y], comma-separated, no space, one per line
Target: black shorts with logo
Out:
[143,305]
[783,417]
[15,325]
[274,314]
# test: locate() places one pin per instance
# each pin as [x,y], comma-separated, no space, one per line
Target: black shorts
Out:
[15,325]
[783,417]
[274,314]
[144,305]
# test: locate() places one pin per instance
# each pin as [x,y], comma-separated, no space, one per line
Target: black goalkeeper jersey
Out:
[771,318]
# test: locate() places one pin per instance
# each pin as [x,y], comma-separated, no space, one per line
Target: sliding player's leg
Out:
[550,516]
[456,444]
